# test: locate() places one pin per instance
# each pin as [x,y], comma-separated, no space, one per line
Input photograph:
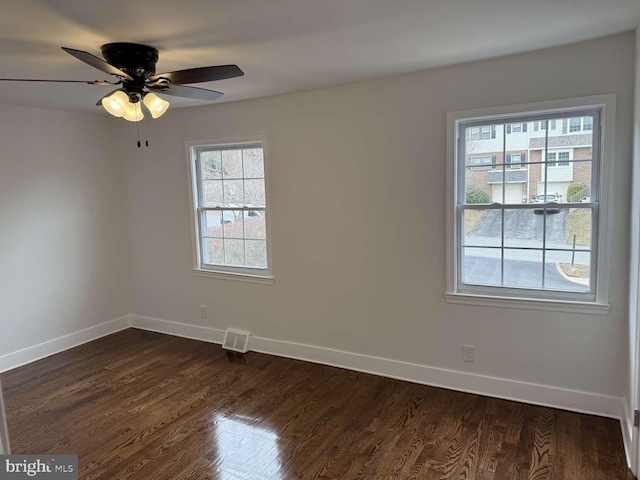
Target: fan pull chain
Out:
[144,126]
[138,133]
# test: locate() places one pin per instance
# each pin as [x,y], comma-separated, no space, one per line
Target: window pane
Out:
[563,274]
[579,227]
[232,163]
[233,193]
[481,266]
[234,252]
[211,165]
[212,193]
[482,228]
[522,229]
[575,276]
[213,251]
[555,221]
[523,268]
[233,226]
[212,223]
[253,163]
[477,187]
[254,225]
[254,193]
[568,269]
[579,188]
[256,253]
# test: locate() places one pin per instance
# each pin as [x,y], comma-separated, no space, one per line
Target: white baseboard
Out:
[51,347]
[626,423]
[556,397]
[194,332]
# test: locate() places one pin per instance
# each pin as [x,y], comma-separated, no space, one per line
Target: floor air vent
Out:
[236,340]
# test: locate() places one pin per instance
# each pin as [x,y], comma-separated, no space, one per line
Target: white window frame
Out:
[595,303]
[247,274]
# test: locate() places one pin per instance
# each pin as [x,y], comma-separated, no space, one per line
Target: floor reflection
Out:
[246,450]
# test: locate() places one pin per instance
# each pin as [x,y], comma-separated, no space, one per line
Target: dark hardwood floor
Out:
[140,405]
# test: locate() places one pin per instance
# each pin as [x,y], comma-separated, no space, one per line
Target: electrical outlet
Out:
[469,353]
[203,311]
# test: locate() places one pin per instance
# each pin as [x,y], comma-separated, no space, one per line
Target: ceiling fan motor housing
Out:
[137,60]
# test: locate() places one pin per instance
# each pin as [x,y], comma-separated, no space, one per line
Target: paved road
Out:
[523,225]
[522,268]
[517,273]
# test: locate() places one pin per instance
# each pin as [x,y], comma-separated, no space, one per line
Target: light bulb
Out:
[155,104]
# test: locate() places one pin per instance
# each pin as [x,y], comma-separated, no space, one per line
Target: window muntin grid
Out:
[503,249]
[231,208]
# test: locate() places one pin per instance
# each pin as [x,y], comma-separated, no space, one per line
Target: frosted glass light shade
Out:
[119,105]
[155,104]
[133,112]
[115,103]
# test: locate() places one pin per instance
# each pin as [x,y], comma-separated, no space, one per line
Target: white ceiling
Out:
[282,45]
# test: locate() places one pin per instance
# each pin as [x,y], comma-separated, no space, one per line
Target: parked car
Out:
[548,198]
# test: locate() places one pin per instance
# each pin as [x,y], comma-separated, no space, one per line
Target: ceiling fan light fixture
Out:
[133,112]
[116,103]
[156,105]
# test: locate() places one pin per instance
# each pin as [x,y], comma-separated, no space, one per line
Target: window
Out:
[558,159]
[482,162]
[578,124]
[481,133]
[525,242]
[514,160]
[575,124]
[516,128]
[230,215]
[542,125]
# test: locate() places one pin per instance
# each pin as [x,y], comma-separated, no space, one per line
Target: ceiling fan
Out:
[134,68]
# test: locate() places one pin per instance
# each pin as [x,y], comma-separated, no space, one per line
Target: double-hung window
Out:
[534,237]
[230,215]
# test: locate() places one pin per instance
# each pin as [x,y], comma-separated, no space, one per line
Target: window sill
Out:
[238,277]
[590,308]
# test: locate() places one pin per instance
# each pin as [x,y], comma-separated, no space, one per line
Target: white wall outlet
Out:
[469,353]
[203,311]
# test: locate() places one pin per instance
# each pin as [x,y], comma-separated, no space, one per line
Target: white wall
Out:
[63,241]
[631,396]
[358,201]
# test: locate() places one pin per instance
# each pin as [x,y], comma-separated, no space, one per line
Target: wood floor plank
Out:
[139,405]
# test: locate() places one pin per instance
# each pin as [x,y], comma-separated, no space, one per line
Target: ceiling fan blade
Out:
[187,92]
[201,74]
[96,62]
[89,82]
